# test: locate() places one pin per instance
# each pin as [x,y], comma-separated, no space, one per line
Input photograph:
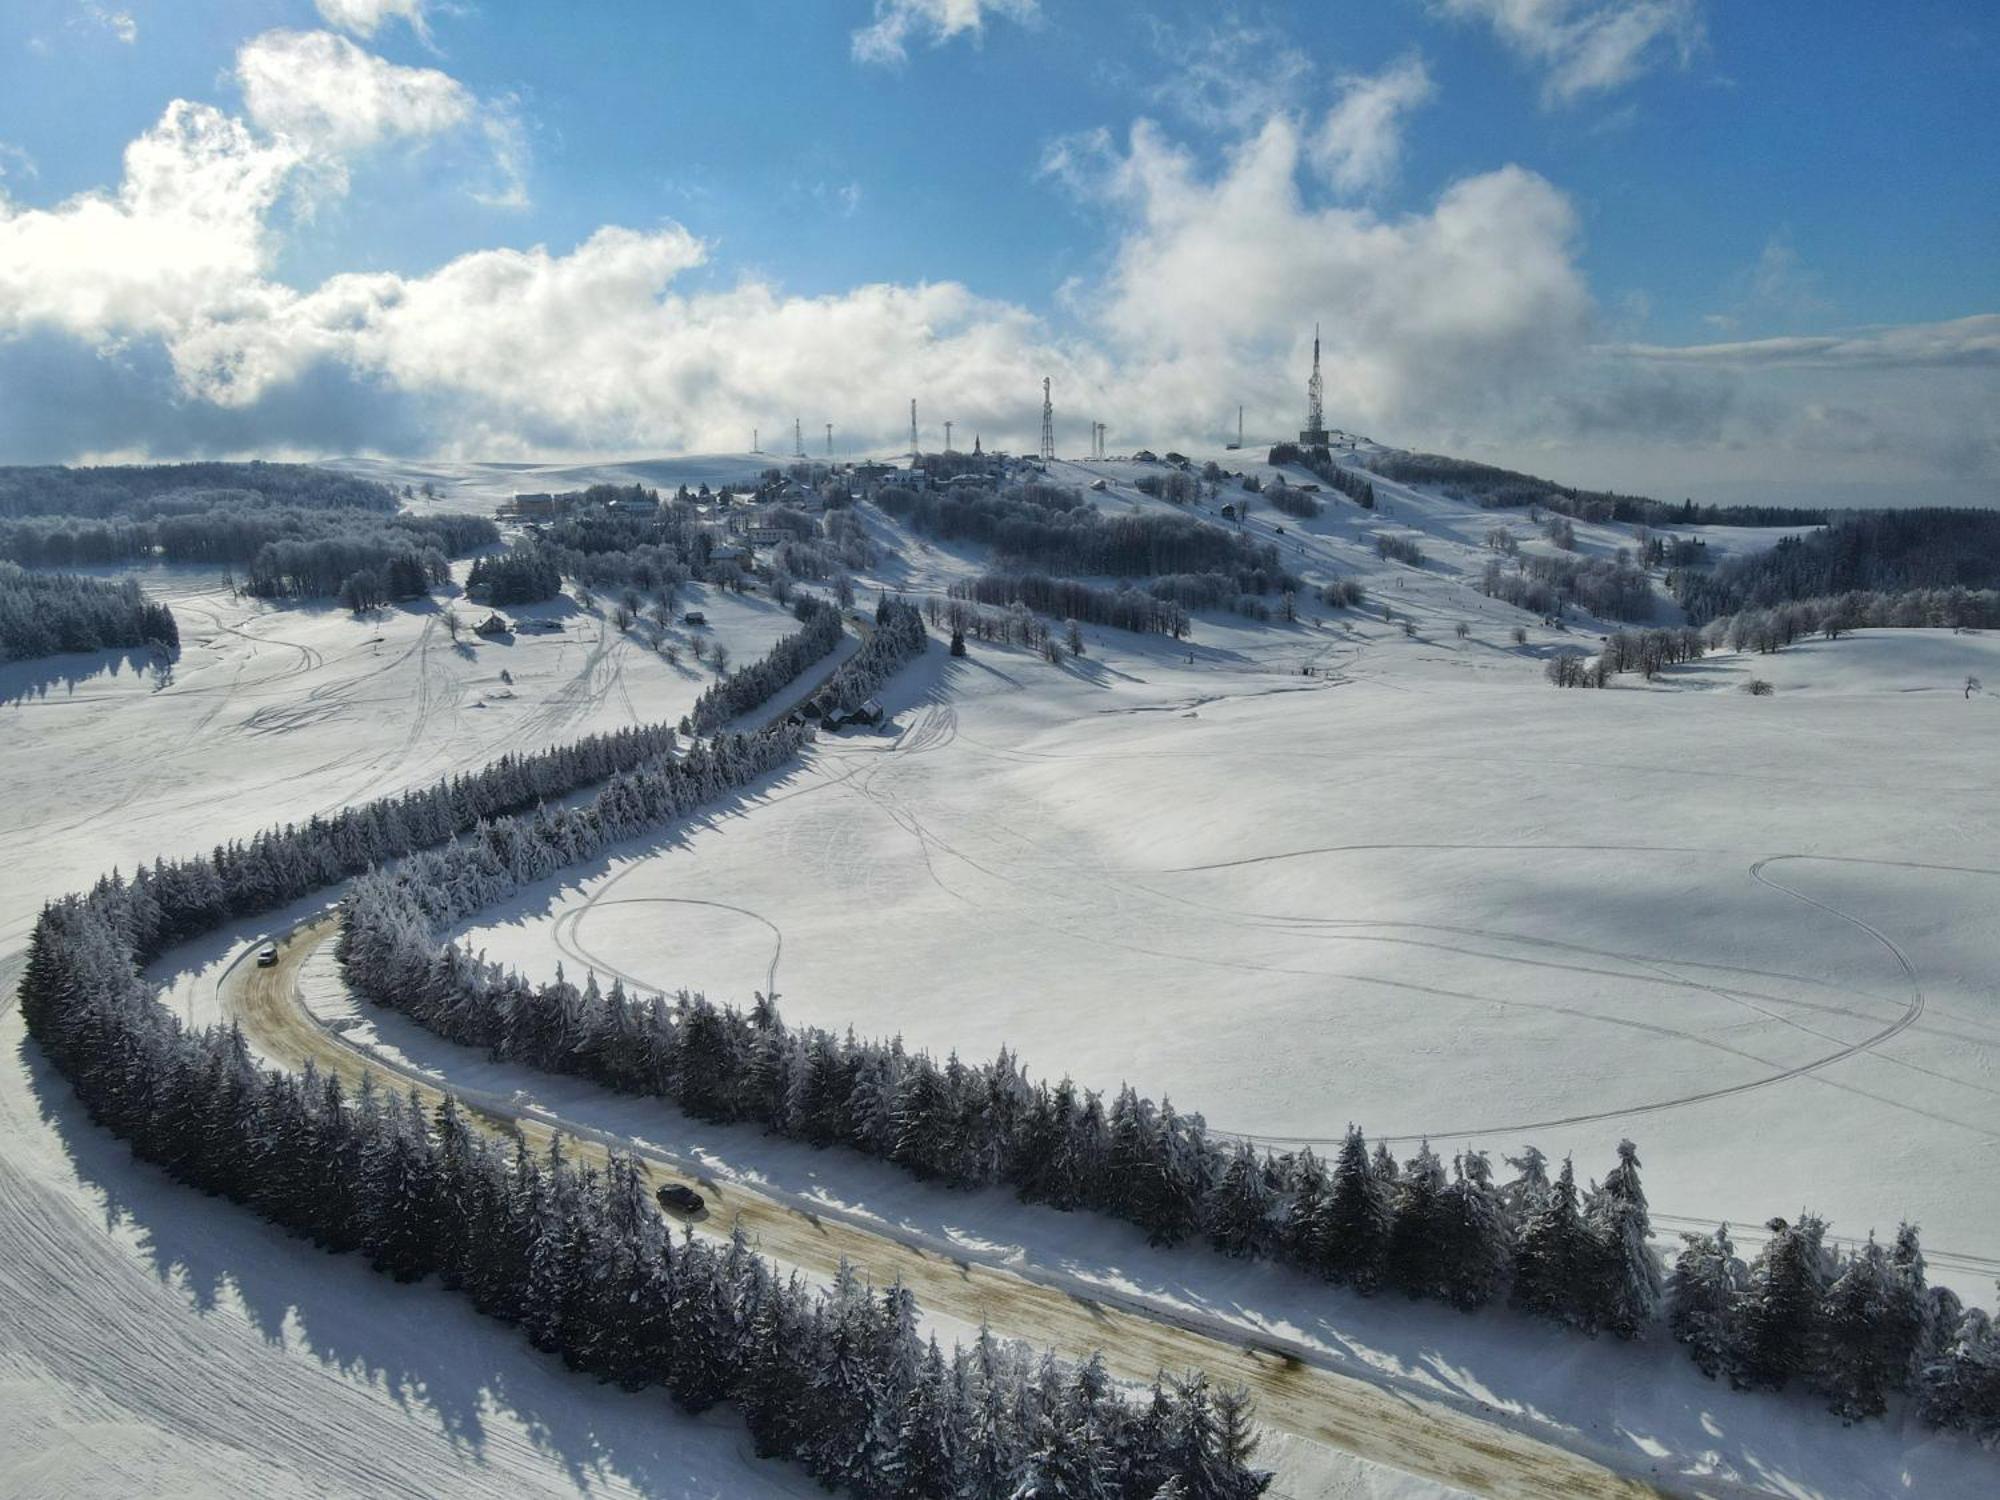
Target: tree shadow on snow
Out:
[427,1348]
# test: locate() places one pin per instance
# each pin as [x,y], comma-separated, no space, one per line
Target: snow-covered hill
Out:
[1291,874]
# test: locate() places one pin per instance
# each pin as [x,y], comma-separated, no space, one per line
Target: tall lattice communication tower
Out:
[1048,423]
[798,439]
[1315,435]
[913,427]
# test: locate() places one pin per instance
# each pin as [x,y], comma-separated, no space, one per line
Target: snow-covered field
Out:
[1417,889]
[1429,895]
[275,714]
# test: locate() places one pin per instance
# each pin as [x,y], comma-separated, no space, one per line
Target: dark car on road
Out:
[680,1198]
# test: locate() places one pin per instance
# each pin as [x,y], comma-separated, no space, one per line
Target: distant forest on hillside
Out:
[1882,552]
[1047,528]
[42,614]
[299,531]
[1501,489]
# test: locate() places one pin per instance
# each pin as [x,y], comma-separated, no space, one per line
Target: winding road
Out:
[1299,1388]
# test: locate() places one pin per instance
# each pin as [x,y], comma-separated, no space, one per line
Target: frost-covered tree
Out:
[1558,1268]
[1702,1295]
[1619,1220]
[1358,1216]
[1779,1311]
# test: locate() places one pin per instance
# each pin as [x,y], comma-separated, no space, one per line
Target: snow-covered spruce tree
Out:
[1778,1312]
[1241,1210]
[1419,1231]
[1358,1217]
[1619,1219]
[1474,1252]
[1559,1266]
[1525,1195]
[1702,1295]
[1850,1362]
[1960,1386]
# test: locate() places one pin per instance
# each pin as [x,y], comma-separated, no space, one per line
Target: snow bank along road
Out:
[1373,1419]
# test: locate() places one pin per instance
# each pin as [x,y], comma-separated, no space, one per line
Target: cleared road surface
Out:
[1294,1393]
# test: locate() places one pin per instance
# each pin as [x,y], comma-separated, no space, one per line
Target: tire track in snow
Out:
[1909,1015]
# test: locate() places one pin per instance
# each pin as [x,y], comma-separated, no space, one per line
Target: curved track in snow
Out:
[1913,1009]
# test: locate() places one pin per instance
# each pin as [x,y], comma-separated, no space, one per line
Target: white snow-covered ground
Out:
[274,714]
[1430,895]
[1419,890]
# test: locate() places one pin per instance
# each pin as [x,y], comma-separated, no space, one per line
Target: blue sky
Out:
[1664,244]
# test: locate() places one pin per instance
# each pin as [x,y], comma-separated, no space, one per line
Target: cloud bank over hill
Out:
[150,316]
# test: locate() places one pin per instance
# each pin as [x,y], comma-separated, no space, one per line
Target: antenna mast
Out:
[1048,423]
[829,440]
[913,428]
[798,439]
[1315,434]
[947,437]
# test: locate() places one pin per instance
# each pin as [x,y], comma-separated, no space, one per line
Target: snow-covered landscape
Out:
[1294,875]
[999,750]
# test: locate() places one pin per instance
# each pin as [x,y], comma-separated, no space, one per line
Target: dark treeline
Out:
[751,686]
[1239,593]
[1915,609]
[1496,489]
[1127,608]
[237,528]
[154,489]
[1050,529]
[1320,463]
[837,1380]
[1578,1256]
[1293,502]
[1402,549]
[523,574]
[42,614]
[898,638]
[363,567]
[1876,551]
[1649,652]
[1610,587]
[302,531]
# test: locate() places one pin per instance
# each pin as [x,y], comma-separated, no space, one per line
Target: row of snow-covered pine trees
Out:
[757,682]
[836,1379]
[1855,1327]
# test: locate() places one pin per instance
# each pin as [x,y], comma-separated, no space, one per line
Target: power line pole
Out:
[1048,423]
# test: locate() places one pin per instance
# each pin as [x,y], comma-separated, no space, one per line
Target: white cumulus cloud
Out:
[183,237]
[1586,47]
[366,17]
[1360,143]
[330,95]
[899,23]
[335,100]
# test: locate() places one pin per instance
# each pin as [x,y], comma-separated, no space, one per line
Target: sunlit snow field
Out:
[1417,889]
[1751,933]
